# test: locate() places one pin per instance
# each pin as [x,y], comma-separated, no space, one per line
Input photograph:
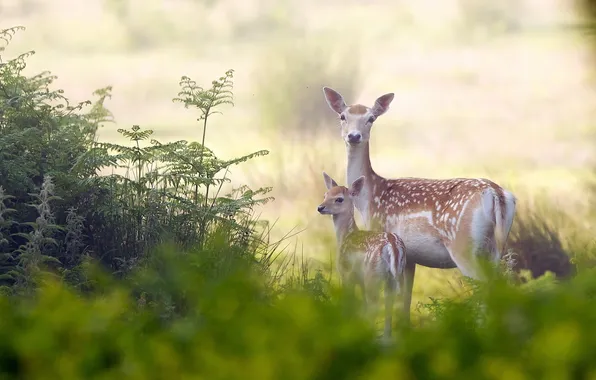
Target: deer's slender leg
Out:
[390,289]
[407,290]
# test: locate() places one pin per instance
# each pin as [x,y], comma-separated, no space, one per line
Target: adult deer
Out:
[444,223]
[364,258]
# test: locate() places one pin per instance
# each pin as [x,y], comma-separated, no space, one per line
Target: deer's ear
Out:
[334,100]
[329,182]
[382,104]
[356,187]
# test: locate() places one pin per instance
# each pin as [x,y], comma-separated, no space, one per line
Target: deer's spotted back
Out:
[439,202]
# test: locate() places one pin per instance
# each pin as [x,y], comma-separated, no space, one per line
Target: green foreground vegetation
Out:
[152,272]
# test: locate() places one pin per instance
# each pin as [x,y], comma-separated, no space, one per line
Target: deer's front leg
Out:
[371,292]
[348,284]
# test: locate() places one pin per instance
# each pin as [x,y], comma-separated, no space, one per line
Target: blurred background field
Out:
[495,89]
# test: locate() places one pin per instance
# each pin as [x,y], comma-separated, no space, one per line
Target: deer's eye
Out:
[339,200]
[342,117]
[371,119]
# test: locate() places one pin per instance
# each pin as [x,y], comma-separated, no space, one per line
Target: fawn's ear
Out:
[329,182]
[334,100]
[382,104]
[356,187]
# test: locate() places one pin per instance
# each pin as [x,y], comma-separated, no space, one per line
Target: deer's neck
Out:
[344,226]
[359,162]
[359,165]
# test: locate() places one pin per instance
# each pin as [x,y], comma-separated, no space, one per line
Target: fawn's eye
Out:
[342,117]
[339,200]
[371,119]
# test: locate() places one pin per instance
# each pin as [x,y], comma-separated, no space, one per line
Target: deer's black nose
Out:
[354,137]
[320,208]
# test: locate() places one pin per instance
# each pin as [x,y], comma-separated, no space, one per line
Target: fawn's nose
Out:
[354,137]
[320,208]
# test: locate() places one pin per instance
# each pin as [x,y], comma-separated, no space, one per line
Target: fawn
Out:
[364,258]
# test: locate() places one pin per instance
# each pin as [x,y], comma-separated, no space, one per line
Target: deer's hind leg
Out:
[473,241]
[390,292]
[406,290]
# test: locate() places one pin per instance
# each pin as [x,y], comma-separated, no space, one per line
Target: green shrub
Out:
[208,313]
[56,208]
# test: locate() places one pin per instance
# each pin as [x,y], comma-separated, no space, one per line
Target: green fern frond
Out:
[194,95]
[50,259]
[25,235]
[18,64]
[6,35]
[135,133]
[94,158]
[245,158]
[12,275]
[98,112]
[7,276]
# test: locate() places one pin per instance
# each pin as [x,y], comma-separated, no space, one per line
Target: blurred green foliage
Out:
[207,313]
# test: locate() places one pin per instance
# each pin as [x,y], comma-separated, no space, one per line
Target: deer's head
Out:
[339,199]
[356,120]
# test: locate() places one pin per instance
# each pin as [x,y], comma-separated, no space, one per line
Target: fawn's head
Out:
[356,120]
[339,199]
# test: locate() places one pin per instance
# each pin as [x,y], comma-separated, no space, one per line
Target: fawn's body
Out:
[365,258]
[444,223]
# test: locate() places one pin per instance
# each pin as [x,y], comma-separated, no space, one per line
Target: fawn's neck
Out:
[344,226]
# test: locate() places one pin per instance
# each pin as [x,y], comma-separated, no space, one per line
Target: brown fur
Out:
[371,243]
[357,109]
[365,258]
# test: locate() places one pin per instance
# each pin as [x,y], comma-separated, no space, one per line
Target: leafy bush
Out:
[54,206]
[188,319]
[192,314]
[528,332]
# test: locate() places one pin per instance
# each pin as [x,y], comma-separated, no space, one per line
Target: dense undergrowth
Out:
[152,272]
